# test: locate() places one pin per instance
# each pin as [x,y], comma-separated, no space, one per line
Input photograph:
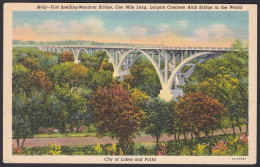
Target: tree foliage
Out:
[67,56]
[174,122]
[144,77]
[31,63]
[116,114]
[68,72]
[73,107]
[26,111]
[101,79]
[20,77]
[41,81]
[106,66]
[226,79]
[157,116]
[199,112]
[79,74]
[51,87]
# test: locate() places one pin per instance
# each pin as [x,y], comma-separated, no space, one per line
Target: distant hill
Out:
[79,42]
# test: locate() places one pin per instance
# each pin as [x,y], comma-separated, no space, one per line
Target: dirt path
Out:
[77,141]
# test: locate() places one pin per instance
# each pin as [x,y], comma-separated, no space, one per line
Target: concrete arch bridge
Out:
[169,62]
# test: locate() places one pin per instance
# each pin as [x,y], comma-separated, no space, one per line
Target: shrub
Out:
[78,153]
[202,149]
[239,145]
[220,148]
[111,149]
[98,149]
[243,139]
[54,149]
[121,151]
[141,149]
[186,151]
[227,145]
[162,150]
[17,150]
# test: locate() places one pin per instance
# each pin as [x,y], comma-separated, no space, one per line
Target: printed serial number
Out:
[238,158]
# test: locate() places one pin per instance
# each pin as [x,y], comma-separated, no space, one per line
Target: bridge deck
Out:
[131,47]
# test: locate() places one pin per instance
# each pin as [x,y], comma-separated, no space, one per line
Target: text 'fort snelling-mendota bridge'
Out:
[167,61]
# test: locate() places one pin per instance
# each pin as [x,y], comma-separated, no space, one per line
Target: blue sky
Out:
[170,27]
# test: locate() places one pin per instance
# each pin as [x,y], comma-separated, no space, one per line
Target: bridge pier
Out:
[120,74]
[76,61]
[116,73]
[168,95]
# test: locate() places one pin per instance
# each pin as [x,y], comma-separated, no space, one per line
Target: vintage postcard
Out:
[130,83]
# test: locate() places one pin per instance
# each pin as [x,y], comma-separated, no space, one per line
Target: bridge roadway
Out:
[167,61]
[131,47]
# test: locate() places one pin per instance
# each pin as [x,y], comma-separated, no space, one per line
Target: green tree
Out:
[84,57]
[31,63]
[139,97]
[106,66]
[68,72]
[19,54]
[47,60]
[20,80]
[101,79]
[88,114]
[26,111]
[144,77]
[76,108]
[101,56]
[157,115]
[79,75]
[72,107]
[226,79]
[174,124]
[95,61]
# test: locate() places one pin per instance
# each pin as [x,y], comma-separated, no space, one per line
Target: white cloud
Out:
[90,25]
[94,25]
[119,31]
[51,26]
[183,23]
[76,26]
[22,29]
[201,33]
[138,31]
[164,27]
[216,31]
[93,28]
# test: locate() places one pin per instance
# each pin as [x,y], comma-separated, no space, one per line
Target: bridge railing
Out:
[131,47]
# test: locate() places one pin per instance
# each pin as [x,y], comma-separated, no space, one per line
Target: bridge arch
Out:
[134,59]
[102,49]
[62,50]
[158,71]
[78,51]
[72,51]
[110,56]
[181,65]
[84,49]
